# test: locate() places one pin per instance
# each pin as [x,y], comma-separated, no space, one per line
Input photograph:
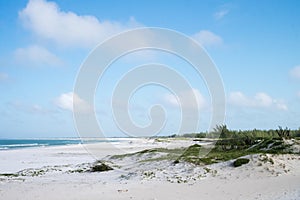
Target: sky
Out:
[255,46]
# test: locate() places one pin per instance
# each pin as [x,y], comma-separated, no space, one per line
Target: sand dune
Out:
[54,173]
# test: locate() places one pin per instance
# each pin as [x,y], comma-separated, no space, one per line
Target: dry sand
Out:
[56,179]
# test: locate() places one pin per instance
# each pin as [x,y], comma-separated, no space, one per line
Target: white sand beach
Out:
[54,173]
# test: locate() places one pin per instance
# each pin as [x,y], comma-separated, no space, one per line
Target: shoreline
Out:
[23,143]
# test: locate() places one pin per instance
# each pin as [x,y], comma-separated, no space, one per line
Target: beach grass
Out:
[225,149]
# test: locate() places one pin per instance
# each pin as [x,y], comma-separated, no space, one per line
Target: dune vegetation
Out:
[225,145]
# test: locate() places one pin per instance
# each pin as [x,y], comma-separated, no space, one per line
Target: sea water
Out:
[6,144]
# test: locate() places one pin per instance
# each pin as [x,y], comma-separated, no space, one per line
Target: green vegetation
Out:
[101,167]
[229,146]
[232,146]
[264,158]
[222,131]
[9,175]
[224,150]
[31,172]
[77,171]
[283,133]
[149,174]
[199,155]
[241,161]
[136,153]
[169,154]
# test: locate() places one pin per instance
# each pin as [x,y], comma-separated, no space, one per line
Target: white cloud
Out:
[3,76]
[239,99]
[281,105]
[220,14]
[65,101]
[295,72]
[186,97]
[298,94]
[47,21]
[259,100]
[208,38]
[262,100]
[35,55]
[38,109]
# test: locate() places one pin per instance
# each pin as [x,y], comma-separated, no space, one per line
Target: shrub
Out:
[240,162]
[283,133]
[176,162]
[101,168]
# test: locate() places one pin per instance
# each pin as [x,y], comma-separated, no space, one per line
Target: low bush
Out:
[241,161]
[101,167]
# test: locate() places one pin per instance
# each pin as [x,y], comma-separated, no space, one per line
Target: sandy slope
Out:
[260,179]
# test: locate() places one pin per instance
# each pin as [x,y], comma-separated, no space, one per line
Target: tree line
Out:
[222,131]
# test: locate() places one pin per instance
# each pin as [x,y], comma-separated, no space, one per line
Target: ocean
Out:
[6,144]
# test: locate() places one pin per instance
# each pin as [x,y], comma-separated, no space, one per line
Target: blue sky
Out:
[254,44]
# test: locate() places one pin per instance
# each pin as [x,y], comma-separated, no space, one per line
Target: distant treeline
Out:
[221,131]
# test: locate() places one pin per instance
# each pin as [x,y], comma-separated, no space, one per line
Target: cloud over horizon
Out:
[66,101]
[259,100]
